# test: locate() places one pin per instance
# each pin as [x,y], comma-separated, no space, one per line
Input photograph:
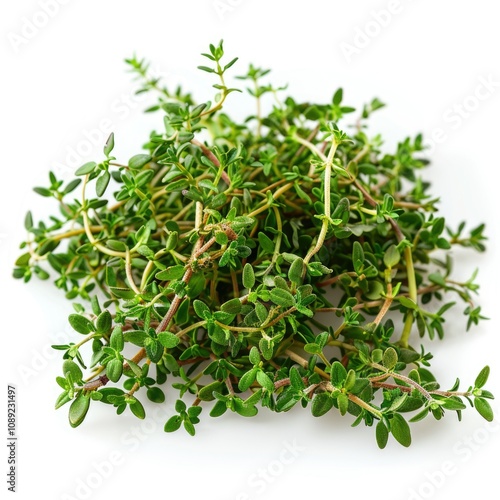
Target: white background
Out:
[59,82]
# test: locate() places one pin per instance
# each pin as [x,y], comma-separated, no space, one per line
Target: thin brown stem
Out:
[385,307]
[206,151]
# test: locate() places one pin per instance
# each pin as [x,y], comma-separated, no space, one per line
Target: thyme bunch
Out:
[270,262]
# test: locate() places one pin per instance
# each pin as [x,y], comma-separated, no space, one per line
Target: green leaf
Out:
[168,340]
[114,370]
[407,302]
[218,409]
[43,191]
[443,243]
[72,185]
[391,257]
[286,401]
[248,276]
[437,279]
[188,425]
[135,368]
[282,297]
[337,97]
[207,69]
[221,239]
[264,380]
[243,409]
[296,270]
[171,273]
[178,185]
[201,309]
[421,415]
[232,306]
[116,245]
[398,402]
[108,393]
[343,402]
[261,311]
[408,355]
[411,404]
[206,393]
[23,260]
[482,378]
[173,423]
[193,413]
[321,404]
[487,394]
[484,408]
[138,409]
[116,340]
[172,241]
[87,168]
[281,283]
[154,349]
[103,322]
[247,379]
[453,404]
[358,255]
[313,348]
[135,337]
[266,243]
[390,358]
[110,144]
[28,221]
[338,374]
[230,63]
[85,249]
[207,184]
[254,356]
[182,315]
[81,324]
[78,409]
[47,246]
[350,380]
[180,406]
[295,379]
[41,273]
[138,161]
[400,430]
[266,347]
[382,434]
[70,367]
[102,183]
[62,399]
[146,252]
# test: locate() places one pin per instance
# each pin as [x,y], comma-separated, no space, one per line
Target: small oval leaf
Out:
[321,404]
[78,409]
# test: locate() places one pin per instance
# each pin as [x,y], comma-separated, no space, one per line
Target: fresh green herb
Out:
[255,263]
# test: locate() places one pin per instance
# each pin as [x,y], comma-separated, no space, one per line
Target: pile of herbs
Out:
[270,262]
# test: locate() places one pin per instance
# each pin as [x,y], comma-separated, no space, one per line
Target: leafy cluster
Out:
[269,262]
